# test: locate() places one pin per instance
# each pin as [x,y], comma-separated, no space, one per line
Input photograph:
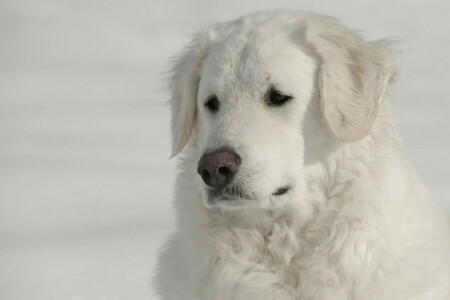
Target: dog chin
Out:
[226,199]
[234,203]
[265,203]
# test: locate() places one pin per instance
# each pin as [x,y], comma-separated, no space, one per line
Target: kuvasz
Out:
[293,180]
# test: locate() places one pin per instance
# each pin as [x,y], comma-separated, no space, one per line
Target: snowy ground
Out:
[85,180]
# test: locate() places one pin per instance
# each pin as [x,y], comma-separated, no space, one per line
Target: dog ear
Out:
[183,85]
[353,77]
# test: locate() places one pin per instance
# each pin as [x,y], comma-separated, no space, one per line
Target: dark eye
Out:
[212,104]
[276,98]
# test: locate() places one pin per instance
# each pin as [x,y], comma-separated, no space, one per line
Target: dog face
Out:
[241,91]
[250,104]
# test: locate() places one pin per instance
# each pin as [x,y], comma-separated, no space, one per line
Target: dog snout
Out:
[217,169]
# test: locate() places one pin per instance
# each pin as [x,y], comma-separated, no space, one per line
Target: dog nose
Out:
[217,169]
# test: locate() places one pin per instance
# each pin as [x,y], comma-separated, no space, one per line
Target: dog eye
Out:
[277,99]
[212,104]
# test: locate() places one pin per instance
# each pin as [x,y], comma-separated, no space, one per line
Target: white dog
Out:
[293,180]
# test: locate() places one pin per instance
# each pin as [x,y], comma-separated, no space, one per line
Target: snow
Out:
[85,179]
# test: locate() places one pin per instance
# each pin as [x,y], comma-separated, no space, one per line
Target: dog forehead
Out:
[249,59]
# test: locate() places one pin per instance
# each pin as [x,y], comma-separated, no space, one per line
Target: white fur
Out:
[357,222]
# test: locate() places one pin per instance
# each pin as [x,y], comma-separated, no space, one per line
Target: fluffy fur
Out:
[357,223]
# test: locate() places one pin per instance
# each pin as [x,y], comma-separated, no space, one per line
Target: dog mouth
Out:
[229,193]
[238,193]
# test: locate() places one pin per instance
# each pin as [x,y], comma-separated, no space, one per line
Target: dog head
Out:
[241,92]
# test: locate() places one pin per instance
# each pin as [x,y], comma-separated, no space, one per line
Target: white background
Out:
[85,180]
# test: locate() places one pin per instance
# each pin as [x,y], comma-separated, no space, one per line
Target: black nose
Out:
[217,169]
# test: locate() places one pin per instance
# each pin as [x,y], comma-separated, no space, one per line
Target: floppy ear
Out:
[353,77]
[183,86]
